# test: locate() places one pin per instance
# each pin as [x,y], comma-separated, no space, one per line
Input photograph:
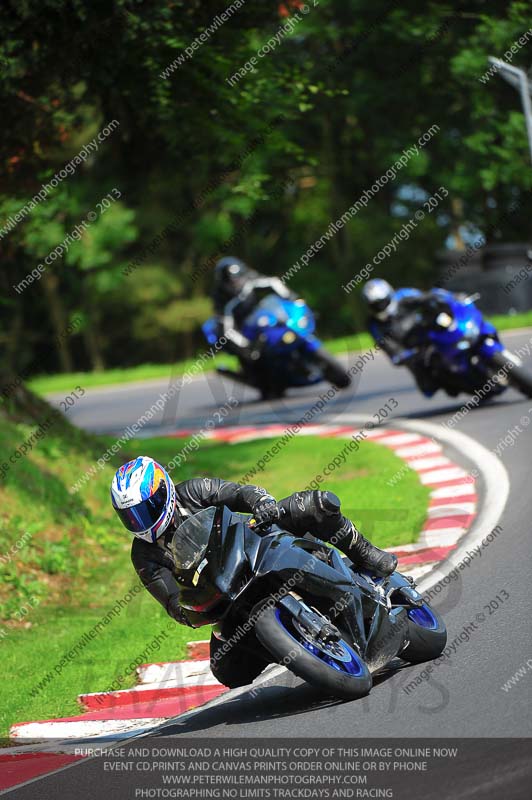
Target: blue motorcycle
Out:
[284,351]
[463,351]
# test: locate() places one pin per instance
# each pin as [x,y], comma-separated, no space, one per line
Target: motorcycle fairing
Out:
[279,312]
[240,561]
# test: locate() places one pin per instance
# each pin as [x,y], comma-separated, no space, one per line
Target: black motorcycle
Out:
[305,604]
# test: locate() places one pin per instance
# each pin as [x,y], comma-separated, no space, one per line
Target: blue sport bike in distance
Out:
[284,352]
[462,350]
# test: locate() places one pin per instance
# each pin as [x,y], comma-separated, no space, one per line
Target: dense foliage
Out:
[198,162]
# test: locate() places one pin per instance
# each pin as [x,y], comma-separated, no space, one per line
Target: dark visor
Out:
[144,515]
[380,305]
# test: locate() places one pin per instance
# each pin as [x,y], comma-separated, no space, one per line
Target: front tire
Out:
[337,670]
[332,370]
[427,635]
[517,376]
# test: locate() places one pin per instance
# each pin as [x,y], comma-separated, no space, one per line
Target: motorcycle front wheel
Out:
[332,370]
[334,667]
[427,635]
[517,376]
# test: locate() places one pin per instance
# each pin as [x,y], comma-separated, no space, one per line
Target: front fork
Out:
[489,346]
[388,631]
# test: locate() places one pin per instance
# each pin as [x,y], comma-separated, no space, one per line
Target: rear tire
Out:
[347,677]
[518,377]
[272,393]
[332,370]
[427,635]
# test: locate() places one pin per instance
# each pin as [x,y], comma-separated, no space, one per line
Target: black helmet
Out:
[230,275]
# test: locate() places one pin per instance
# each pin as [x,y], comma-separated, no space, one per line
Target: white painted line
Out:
[414,547]
[418,450]
[430,539]
[173,671]
[451,510]
[442,475]
[271,431]
[200,679]
[428,462]
[443,537]
[418,571]
[495,495]
[460,490]
[249,437]
[313,430]
[80,729]
[394,438]
[465,489]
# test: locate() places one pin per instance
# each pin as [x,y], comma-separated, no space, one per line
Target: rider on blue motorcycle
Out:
[152,508]
[236,291]
[398,320]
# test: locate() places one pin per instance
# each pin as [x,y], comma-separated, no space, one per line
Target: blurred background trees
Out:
[259,169]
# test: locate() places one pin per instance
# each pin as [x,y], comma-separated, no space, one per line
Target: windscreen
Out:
[190,540]
[274,305]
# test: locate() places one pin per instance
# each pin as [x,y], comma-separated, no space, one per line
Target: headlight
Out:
[289,337]
[472,331]
[444,320]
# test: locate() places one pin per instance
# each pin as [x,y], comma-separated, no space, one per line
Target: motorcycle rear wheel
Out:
[335,669]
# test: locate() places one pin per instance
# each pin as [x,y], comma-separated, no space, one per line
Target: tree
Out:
[207,163]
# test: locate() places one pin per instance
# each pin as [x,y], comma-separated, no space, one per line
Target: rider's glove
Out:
[266,512]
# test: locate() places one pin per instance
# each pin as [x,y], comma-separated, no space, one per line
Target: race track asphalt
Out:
[463,696]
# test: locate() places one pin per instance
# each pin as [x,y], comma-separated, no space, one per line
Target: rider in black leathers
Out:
[236,291]
[398,321]
[307,511]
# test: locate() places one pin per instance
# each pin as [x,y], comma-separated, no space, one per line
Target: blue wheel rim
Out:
[354,666]
[424,617]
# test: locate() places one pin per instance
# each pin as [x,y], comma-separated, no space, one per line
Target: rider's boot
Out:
[362,553]
[320,511]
